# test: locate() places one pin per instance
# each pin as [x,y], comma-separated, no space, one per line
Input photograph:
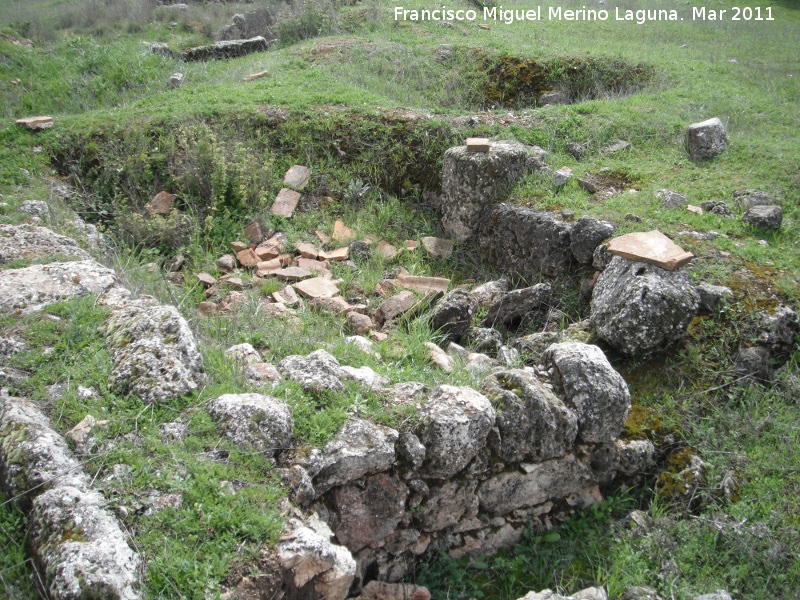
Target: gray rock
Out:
[30,242]
[316,567]
[301,488]
[713,297]
[360,448]
[586,234]
[175,80]
[263,422]
[717,207]
[520,307]
[707,139]
[747,199]
[484,339]
[316,372]
[35,208]
[560,478]
[753,363]
[452,315]
[640,593]
[366,377]
[577,149]
[718,595]
[671,199]
[779,330]
[635,456]
[226,263]
[532,423]
[365,514]
[639,308]
[524,242]
[160,49]
[31,289]
[507,356]
[445,505]
[601,257]
[174,431]
[81,547]
[764,217]
[490,292]
[455,423]
[154,353]
[410,449]
[243,354]
[590,384]
[473,181]
[226,49]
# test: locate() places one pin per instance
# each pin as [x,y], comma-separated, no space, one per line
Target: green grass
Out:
[359,97]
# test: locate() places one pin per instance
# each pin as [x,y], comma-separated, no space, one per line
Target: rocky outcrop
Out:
[154,352]
[30,242]
[525,243]
[30,289]
[639,308]
[78,545]
[473,181]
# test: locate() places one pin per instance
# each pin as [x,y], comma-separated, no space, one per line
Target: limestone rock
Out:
[490,292]
[30,242]
[639,308]
[319,568]
[452,315]
[635,456]
[367,513]
[35,123]
[456,421]
[473,181]
[764,217]
[532,423]
[560,478]
[360,448]
[316,372]
[525,242]
[30,289]
[484,339]
[440,358]
[520,307]
[365,376]
[437,247]
[317,287]
[263,422]
[586,234]
[590,384]
[779,330]
[706,139]
[285,203]
[243,354]
[154,353]
[753,362]
[445,505]
[747,199]
[297,177]
[713,297]
[671,199]
[226,49]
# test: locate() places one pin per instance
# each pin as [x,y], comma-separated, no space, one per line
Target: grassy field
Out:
[371,103]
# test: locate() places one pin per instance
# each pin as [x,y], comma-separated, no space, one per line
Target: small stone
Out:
[285,203]
[318,267]
[671,199]
[339,254]
[297,177]
[439,357]
[359,324]
[385,249]
[421,283]
[707,139]
[248,258]
[713,297]
[323,237]
[160,204]
[378,336]
[633,217]
[254,76]
[694,209]
[206,279]
[616,147]
[35,123]
[226,263]
[253,232]
[336,305]
[363,344]
[438,247]
[268,267]
[286,296]
[394,306]
[478,145]
[411,245]
[261,371]
[317,287]
[175,80]
[562,176]
[651,247]
[747,199]
[205,309]
[292,274]
[264,252]
[238,247]
[576,149]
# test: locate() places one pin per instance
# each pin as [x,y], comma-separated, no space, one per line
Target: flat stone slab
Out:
[421,283]
[478,145]
[651,247]
[285,203]
[337,254]
[317,287]
[248,258]
[342,233]
[35,123]
[307,250]
[297,177]
[160,204]
[292,274]
[385,249]
[437,247]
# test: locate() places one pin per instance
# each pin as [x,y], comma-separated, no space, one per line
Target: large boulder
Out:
[154,353]
[452,316]
[590,384]
[263,422]
[532,423]
[639,308]
[473,181]
[706,139]
[360,448]
[455,423]
[520,307]
[586,234]
[30,289]
[316,372]
[526,243]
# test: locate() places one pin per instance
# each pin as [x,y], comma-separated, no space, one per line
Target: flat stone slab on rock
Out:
[248,258]
[35,123]
[478,145]
[317,287]
[651,247]
[292,274]
[297,177]
[285,203]
[31,289]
